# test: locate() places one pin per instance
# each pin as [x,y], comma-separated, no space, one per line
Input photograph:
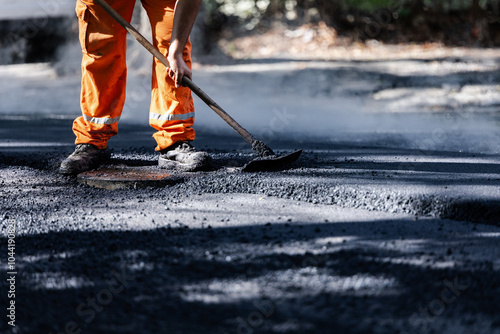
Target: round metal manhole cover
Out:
[127,177]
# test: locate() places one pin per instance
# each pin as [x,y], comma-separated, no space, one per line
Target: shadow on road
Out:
[370,277]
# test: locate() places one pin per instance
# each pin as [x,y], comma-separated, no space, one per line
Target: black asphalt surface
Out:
[354,238]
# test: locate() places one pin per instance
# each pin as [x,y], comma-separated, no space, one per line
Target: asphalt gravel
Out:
[351,239]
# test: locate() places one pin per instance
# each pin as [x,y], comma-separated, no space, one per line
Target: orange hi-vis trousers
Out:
[104,73]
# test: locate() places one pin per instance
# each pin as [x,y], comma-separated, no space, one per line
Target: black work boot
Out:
[84,158]
[183,156]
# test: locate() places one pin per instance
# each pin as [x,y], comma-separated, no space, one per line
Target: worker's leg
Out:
[172,109]
[104,71]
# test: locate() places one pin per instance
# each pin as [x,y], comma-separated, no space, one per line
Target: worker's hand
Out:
[178,69]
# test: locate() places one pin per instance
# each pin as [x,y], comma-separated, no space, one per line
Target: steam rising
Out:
[437,104]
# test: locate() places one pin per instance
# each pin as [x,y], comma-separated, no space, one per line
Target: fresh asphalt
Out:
[369,232]
[352,239]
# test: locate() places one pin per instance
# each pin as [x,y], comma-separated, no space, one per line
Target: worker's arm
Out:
[184,15]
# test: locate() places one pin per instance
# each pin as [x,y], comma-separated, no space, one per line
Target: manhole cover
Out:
[126,177]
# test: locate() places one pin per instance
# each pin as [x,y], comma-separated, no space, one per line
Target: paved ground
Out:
[388,223]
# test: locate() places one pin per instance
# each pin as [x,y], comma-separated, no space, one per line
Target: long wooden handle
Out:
[218,110]
[185,80]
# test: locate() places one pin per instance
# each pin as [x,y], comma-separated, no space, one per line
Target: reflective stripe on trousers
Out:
[101,120]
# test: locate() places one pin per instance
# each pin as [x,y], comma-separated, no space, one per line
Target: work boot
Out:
[84,158]
[183,156]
